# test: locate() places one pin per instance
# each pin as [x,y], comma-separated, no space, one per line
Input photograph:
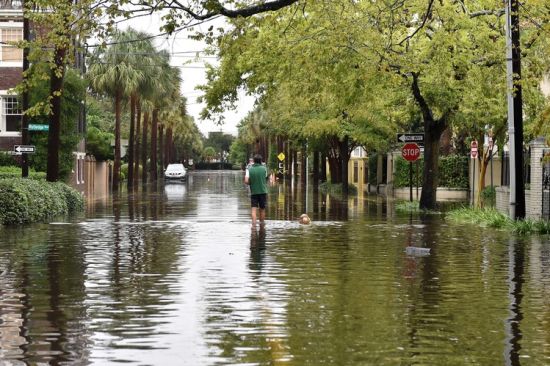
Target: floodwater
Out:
[176,276]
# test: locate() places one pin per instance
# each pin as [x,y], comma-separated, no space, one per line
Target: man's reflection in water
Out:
[257,248]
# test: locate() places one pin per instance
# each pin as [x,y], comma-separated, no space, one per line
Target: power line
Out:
[152,36]
[154,65]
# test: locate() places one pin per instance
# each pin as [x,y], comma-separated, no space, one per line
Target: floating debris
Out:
[417,251]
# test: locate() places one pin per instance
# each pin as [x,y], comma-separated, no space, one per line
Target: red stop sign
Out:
[410,151]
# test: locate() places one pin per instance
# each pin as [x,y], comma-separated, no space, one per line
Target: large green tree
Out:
[113,71]
[371,53]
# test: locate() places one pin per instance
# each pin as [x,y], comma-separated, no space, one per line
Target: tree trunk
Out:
[144,148]
[161,149]
[54,133]
[154,128]
[116,167]
[288,159]
[167,144]
[315,169]
[483,164]
[430,176]
[323,163]
[445,141]
[131,142]
[344,159]
[295,163]
[137,142]
[432,132]
[335,173]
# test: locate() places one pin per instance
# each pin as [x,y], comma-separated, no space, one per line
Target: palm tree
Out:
[112,72]
[169,89]
[143,57]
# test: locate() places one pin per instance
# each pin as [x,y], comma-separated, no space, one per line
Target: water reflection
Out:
[174,275]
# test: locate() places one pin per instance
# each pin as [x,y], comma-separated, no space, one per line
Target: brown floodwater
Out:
[175,275]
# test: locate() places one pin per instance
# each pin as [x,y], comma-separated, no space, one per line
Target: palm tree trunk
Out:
[131,142]
[137,144]
[116,168]
[161,149]
[56,87]
[167,145]
[154,127]
[144,149]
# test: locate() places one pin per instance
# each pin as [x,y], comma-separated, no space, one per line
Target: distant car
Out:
[175,171]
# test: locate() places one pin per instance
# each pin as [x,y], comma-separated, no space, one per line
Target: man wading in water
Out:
[256,177]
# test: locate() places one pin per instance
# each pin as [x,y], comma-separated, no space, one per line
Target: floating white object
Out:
[417,251]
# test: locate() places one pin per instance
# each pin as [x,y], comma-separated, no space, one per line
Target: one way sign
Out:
[411,137]
[25,149]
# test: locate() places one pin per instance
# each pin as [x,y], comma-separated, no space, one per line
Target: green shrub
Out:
[7,160]
[15,172]
[74,199]
[412,207]
[28,200]
[336,188]
[492,218]
[453,172]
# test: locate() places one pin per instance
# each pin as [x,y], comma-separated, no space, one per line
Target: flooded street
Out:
[176,276]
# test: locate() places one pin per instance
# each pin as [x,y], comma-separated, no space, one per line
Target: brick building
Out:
[11,66]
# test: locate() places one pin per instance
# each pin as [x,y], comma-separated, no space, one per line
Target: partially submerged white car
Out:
[175,171]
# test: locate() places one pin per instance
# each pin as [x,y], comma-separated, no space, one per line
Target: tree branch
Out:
[424,108]
[219,9]
[426,16]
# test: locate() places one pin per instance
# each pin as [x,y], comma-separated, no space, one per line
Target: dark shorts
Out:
[258,200]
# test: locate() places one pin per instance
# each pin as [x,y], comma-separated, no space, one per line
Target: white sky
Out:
[193,74]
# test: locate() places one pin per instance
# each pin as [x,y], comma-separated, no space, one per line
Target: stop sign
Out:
[410,151]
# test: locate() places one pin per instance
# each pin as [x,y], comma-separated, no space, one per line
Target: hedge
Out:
[453,172]
[29,200]
[213,166]
[7,160]
[15,172]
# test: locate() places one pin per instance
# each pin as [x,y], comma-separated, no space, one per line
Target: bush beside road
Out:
[30,200]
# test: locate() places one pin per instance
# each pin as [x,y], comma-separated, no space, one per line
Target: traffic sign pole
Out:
[410,181]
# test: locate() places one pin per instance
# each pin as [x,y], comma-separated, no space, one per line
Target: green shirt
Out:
[257,175]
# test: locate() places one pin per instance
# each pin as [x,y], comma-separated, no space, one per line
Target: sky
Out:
[193,72]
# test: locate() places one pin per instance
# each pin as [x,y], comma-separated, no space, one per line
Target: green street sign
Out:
[35,127]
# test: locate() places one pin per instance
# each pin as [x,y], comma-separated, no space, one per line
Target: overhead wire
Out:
[153,36]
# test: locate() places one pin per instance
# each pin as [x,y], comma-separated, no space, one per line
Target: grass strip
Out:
[489,217]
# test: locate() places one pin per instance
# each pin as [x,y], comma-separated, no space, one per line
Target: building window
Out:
[9,53]
[12,114]
[355,172]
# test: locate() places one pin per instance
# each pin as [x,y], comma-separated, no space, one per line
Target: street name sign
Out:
[411,137]
[24,149]
[37,127]
[410,151]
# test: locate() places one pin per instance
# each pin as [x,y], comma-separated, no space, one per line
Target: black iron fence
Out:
[505,172]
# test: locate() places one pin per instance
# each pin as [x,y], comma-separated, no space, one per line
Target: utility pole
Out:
[515,110]
[25,138]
